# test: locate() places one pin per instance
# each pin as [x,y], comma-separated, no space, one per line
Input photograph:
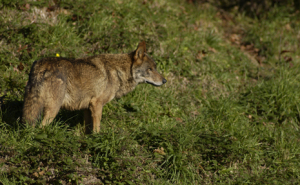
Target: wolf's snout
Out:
[164,81]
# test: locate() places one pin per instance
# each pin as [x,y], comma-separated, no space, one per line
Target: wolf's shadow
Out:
[11,114]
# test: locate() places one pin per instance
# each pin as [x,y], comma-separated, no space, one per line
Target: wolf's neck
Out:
[126,80]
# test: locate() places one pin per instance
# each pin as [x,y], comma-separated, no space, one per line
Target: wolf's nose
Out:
[164,81]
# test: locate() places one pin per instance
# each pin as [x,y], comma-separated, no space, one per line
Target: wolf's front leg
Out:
[96,114]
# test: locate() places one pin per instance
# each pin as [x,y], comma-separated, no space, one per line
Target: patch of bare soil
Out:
[234,33]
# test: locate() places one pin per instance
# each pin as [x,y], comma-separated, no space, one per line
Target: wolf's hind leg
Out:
[49,114]
[33,106]
[55,94]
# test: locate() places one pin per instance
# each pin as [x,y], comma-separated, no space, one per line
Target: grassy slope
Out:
[228,114]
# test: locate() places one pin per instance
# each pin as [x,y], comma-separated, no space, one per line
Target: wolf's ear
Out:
[140,51]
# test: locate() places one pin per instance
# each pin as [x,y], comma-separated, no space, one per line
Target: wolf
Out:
[87,83]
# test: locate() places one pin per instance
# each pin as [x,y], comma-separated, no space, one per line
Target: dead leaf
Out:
[256,50]
[22,48]
[243,47]
[160,151]
[51,8]
[260,59]
[16,69]
[41,173]
[25,7]
[30,49]
[288,27]
[226,17]
[249,46]
[20,66]
[287,59]
[195,113]
[235,38]
[35,174]
[285,51]
[201,54]
[76,17]
[212,50]
[179,119]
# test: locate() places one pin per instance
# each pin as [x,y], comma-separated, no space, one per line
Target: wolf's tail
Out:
[33,104]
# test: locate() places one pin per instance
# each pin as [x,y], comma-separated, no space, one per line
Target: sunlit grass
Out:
[228,114]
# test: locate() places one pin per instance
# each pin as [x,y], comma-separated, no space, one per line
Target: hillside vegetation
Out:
[229,113]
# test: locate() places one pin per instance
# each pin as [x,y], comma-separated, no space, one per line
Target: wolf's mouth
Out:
[153,83]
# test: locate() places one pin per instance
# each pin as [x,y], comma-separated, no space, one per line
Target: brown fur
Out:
[87,83]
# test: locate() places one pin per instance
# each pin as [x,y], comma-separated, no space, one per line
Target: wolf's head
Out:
[144,67]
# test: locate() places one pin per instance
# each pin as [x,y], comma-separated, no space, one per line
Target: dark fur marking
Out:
[84,62]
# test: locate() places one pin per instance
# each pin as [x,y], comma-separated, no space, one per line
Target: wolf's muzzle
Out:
[164,81]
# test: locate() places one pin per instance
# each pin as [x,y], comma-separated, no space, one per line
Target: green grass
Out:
[227,115]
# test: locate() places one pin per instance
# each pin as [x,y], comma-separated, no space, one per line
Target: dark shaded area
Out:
[70,118]
[106,149]
[214,149]
[252,8]
[11,114]
[53,157]
[130,108]
[271,102]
